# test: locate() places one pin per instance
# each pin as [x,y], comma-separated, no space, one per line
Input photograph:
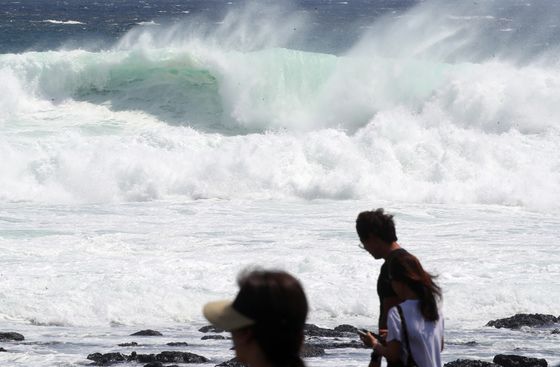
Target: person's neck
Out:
[394,246]
[407,294]
[258,360]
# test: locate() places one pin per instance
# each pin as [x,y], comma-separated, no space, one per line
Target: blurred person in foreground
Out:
[266,319]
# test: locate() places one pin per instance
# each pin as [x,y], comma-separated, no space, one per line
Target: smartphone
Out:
[364,332]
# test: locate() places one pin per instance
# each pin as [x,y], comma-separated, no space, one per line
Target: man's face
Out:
[375,246]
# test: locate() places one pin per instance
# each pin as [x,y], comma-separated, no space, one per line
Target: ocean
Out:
[151,150]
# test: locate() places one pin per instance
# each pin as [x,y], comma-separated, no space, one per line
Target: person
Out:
[266,319]
[415,326]
[377,234]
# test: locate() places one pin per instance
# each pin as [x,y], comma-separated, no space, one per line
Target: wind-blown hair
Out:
[406,268]
[376,223]
[276,301]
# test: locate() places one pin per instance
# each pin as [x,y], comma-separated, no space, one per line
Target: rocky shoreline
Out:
[318,340]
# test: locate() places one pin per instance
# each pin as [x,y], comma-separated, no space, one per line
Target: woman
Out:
[266,319]
[415,326]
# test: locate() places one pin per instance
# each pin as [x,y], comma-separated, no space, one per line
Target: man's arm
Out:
[387,303]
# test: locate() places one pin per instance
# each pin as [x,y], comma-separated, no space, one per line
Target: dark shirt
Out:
[384,288]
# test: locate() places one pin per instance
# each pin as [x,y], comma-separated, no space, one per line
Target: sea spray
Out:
[190,112]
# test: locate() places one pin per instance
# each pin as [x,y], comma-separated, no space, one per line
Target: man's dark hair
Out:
[376,223]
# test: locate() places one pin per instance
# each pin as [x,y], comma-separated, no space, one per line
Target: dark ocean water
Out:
[42,25]
[332,26]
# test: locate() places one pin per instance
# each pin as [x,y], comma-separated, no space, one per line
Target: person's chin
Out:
[240,358]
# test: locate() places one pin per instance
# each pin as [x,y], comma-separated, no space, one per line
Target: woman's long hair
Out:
[279,307]
[405,267]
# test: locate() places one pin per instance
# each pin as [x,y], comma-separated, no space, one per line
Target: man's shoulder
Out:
[393,253]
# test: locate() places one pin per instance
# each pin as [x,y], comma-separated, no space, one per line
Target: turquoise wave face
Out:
[208,89]
[174,91]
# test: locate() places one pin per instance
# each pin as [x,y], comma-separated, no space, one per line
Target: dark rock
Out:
[154,364]
[142,358]
[351,344]
[131,344]
[519,361]
[3,350]
[11,336]
[556,331]
[471,343]
[231,363]
[215,337]
[469,363]
[210,329]
[314,330]
[147,332]
[181,357]
[106,359]
[345,328]
[309,350]
[178,344]
[519,320]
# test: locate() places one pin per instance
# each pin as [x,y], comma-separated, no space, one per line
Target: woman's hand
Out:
[369,340]
[372,340]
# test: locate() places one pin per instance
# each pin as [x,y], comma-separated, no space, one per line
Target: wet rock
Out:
[178,344]
[106,359]
[231,363]
[147,332]
[519,361]
[469,363]
[180,357]
[335,345]
[142,358]
[11,336]
[471,343]
[131,344]
[3,350]
[556,331]
[158,364]
[215,337]
[314,330]
[210,329]
[345,328]
[519,320]
[309,350]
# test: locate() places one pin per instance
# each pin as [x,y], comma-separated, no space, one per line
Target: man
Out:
[377,234]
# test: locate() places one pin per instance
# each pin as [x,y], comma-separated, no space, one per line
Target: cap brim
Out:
[221,314]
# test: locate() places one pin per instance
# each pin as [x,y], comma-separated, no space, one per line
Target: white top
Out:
[425,337]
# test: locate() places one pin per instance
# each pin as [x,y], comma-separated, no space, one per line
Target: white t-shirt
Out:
[425,337]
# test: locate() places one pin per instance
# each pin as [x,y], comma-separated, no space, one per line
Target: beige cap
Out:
[222,314]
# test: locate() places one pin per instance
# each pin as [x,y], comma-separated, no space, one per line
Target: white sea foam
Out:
[137,265]
[70,22]
[338,127]
[150,23]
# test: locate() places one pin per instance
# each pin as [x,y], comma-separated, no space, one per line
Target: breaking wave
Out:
[181,112]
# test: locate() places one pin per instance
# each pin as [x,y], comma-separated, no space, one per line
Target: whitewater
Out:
[137,180]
